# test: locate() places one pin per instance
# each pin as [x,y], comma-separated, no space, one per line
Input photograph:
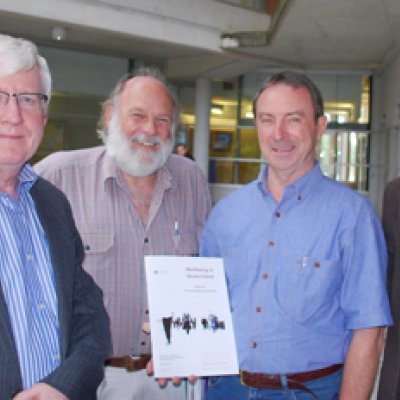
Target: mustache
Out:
[146,139]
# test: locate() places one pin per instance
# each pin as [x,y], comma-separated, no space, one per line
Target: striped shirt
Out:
[114,237]
[27,280]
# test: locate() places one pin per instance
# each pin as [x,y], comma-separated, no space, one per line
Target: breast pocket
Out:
[186,242]
[100,261]
[98,252]
[308,286]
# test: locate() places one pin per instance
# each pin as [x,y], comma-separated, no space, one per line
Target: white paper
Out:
[188,299]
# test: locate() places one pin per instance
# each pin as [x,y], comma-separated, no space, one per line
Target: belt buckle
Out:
[129,363]
[241,377]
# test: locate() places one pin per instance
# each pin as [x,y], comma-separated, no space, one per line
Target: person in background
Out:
[305,262]
[389,385]
[131,198]
[54,328]
[183,151]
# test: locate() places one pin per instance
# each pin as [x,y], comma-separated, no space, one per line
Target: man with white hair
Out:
[54,328]
[131,198]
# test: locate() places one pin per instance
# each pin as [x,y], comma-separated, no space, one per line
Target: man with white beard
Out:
[131,198]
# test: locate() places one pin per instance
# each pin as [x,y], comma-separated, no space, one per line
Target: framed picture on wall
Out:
[222,141]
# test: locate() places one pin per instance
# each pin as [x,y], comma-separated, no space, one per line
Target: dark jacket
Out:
[389,386]
[84,324]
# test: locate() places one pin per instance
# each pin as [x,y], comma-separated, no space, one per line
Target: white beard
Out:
[135,162]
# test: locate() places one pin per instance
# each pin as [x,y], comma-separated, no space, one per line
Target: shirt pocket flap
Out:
[98,242]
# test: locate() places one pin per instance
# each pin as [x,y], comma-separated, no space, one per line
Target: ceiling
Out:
[337,34]
[312,34]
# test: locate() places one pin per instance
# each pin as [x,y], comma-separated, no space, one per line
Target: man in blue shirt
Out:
[54,328]
[305,262]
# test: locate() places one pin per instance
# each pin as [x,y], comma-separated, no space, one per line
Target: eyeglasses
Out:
[26,101]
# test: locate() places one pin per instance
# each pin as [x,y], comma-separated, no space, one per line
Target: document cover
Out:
[190,319]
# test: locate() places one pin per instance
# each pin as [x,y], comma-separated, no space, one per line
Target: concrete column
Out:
[202,128]
[379,147]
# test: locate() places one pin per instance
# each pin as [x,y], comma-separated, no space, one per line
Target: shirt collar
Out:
[27,177]
[165,178]
[302,187]
[109,168]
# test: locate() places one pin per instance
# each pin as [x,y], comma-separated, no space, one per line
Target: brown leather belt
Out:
[294,381]
[130,363]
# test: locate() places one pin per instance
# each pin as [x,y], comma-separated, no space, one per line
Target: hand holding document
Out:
[191,324]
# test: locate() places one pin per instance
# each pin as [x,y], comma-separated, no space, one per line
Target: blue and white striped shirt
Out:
[27,279]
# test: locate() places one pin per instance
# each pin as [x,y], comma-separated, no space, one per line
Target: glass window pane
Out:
[249,147]
[343,156]
[248,171]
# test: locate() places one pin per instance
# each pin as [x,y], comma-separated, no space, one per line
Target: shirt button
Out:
[258,309]
[146,240]
[277,214]
[29,257]
[299,197]
[142,343]
[265,276]
[42,306]
[317,264]
[271,243]
[253,345]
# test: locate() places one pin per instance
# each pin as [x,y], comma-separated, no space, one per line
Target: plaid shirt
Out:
[114,237]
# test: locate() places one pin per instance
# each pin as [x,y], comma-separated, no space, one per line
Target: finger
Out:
[192,378]
[162,382]
[176,380]
[149,367]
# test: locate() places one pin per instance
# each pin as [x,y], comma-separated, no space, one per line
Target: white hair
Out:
[120,86]
[18,55]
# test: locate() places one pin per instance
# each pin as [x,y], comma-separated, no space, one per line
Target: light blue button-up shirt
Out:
[27,281]
[302,274]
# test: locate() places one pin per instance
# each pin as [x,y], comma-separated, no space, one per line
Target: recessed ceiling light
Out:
[217,109]
[58,33]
